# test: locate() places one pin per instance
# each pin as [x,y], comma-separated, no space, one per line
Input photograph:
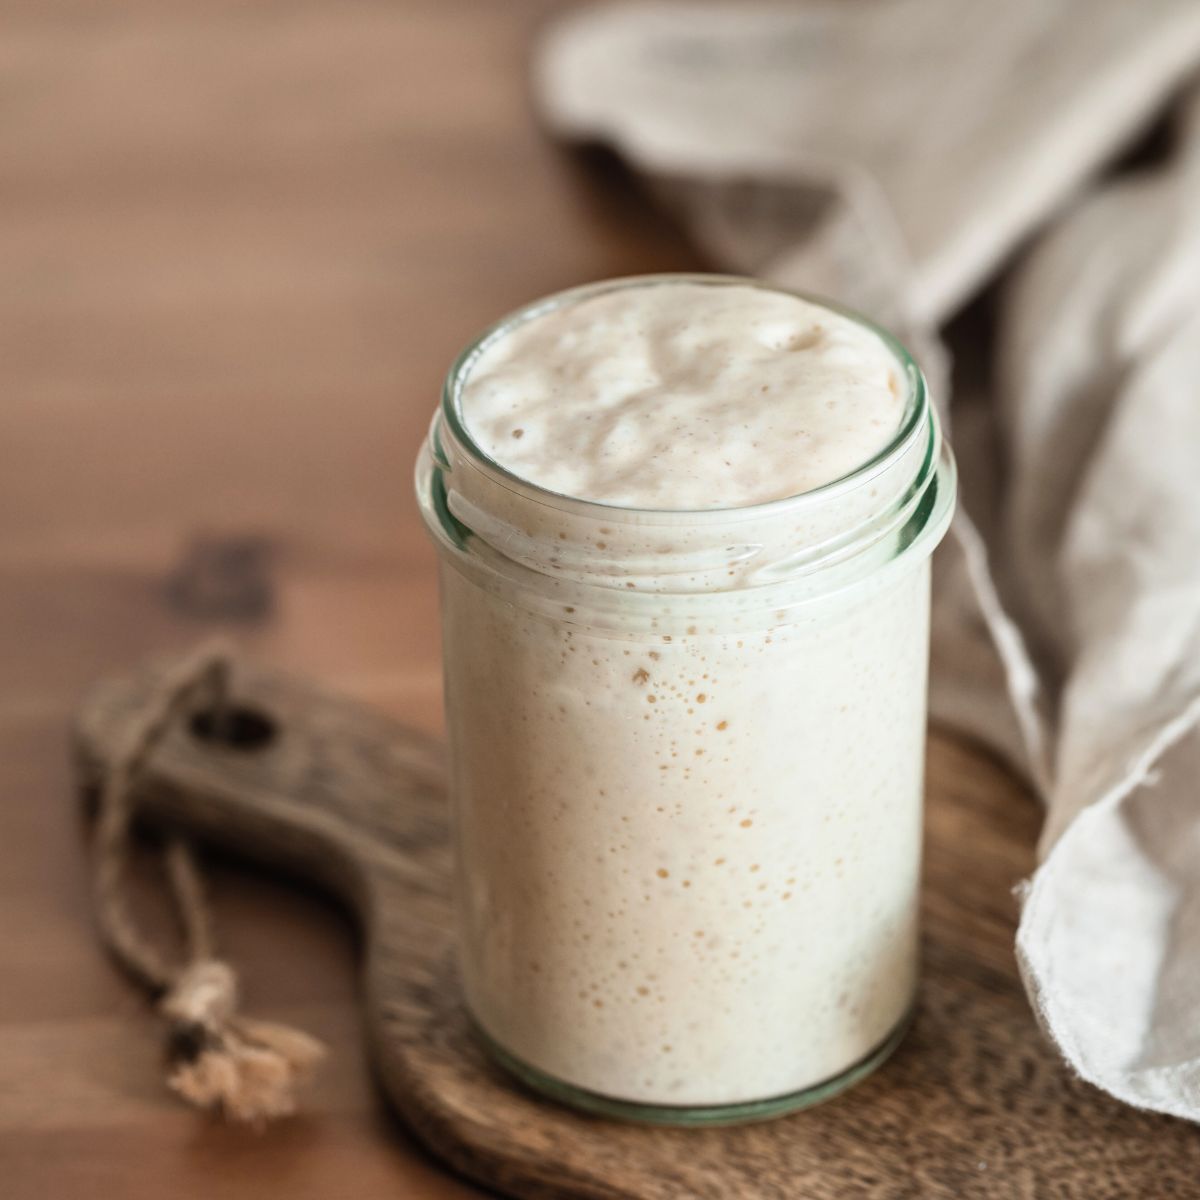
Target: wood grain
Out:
[240,244]
[973,1104]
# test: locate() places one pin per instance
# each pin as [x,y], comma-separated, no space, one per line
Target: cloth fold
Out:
[902,156]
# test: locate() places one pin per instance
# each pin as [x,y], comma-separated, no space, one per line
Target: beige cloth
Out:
[896,154]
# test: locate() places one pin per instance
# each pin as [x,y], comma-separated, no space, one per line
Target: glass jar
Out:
[687,752]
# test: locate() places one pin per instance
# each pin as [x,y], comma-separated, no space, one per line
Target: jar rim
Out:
[916,409]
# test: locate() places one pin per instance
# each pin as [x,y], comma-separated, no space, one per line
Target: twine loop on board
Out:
[219,1059]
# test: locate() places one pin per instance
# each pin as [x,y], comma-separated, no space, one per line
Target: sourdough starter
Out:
[687,751]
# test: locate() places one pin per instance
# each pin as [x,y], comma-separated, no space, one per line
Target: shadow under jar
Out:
[687,753]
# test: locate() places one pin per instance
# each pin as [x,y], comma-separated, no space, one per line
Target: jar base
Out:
[699,1115]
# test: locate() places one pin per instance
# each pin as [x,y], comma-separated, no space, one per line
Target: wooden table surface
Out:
[241,244]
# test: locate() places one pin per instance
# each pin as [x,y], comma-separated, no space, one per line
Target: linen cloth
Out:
[903,156]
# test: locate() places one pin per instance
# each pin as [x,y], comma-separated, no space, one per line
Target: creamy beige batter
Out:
[684,396]
[688,804]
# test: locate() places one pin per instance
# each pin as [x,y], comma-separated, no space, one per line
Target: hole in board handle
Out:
[237,728]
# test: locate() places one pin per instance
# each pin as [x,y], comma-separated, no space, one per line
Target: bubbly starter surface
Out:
[688,844]
[684,396]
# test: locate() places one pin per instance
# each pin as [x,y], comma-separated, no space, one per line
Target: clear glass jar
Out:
[687,753]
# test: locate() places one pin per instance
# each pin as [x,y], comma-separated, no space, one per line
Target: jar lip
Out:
[915,412]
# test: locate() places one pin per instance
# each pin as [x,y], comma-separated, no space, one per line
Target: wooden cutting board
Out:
[974,1104]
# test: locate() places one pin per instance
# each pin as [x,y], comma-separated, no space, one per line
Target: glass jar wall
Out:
[687,754]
